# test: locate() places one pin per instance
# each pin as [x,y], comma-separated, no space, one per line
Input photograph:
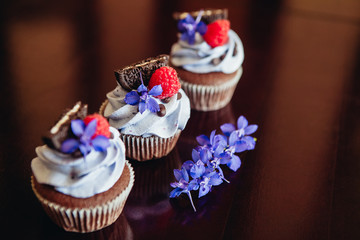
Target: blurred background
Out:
[301,64]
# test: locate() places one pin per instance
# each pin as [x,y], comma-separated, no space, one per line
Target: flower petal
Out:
[191,38]
[90,129]
[225,158]
[212,135]
[84,149]
[142,87]
[201,28]
[215,179]
[203,190]
[241,146]
[69,145]
[242,122]
[193,185]
[234,137]
[195,155]
[188,165]
[152,105]
[178,174]
[251,129]
[100,143]
[218,151]
[203,140]
[235,163]
[132,98]
[142,107]
[219,140]
[185,174]
[250,141]
[227,128]
[197,170]
[78,127]
[205,156]
[175,193]
[156,90]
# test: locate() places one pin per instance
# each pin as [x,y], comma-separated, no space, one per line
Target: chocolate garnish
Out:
[166,100]
[179,96]
[209,15]
[218,60]
[235,50]
[129,77]
[162,111]
[62,128]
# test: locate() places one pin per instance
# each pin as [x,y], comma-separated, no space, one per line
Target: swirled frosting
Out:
[128,120]
[80,177]
[200,57]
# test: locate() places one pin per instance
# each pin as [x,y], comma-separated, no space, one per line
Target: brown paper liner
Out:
[145,148]
[87,219]
[210,98]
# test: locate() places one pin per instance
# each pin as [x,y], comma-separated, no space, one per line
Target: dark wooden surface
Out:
[300,85]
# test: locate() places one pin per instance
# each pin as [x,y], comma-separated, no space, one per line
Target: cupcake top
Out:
[155,105]
[83,155]
[206,43]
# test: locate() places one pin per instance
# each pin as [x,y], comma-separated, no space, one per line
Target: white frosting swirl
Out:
[130,121]
[80,177]
[198,58]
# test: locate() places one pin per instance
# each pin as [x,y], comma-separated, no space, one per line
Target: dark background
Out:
[301,85]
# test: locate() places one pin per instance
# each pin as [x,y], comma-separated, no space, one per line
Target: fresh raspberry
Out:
[167,77]
[217,33]
[102,127]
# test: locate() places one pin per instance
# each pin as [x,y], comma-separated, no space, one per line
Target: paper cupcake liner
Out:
[87,219]
[147,148]
[210,98]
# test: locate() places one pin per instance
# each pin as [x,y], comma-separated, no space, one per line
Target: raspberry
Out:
[217,33]
[102,126]
[167,77]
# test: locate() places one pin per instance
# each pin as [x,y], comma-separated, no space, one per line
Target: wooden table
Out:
[300,85]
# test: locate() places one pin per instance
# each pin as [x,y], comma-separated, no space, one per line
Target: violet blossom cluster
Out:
[204,170]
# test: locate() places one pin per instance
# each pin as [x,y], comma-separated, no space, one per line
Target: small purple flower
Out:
[182,185]
[211,142]
[84,142]
[144,98]
[207,181]
[188,27]
[240,134]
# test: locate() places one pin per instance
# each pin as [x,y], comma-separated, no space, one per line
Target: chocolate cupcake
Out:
[208,58]
[148,107]
[81,176]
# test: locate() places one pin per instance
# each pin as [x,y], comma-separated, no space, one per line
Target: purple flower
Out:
[84,141]
[182,185]
[207,181]
[212,142]
[188,28]
[144,98]
[241,134]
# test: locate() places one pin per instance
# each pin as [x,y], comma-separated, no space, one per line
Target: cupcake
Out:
[148,107]
[208,58]
[80,175]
